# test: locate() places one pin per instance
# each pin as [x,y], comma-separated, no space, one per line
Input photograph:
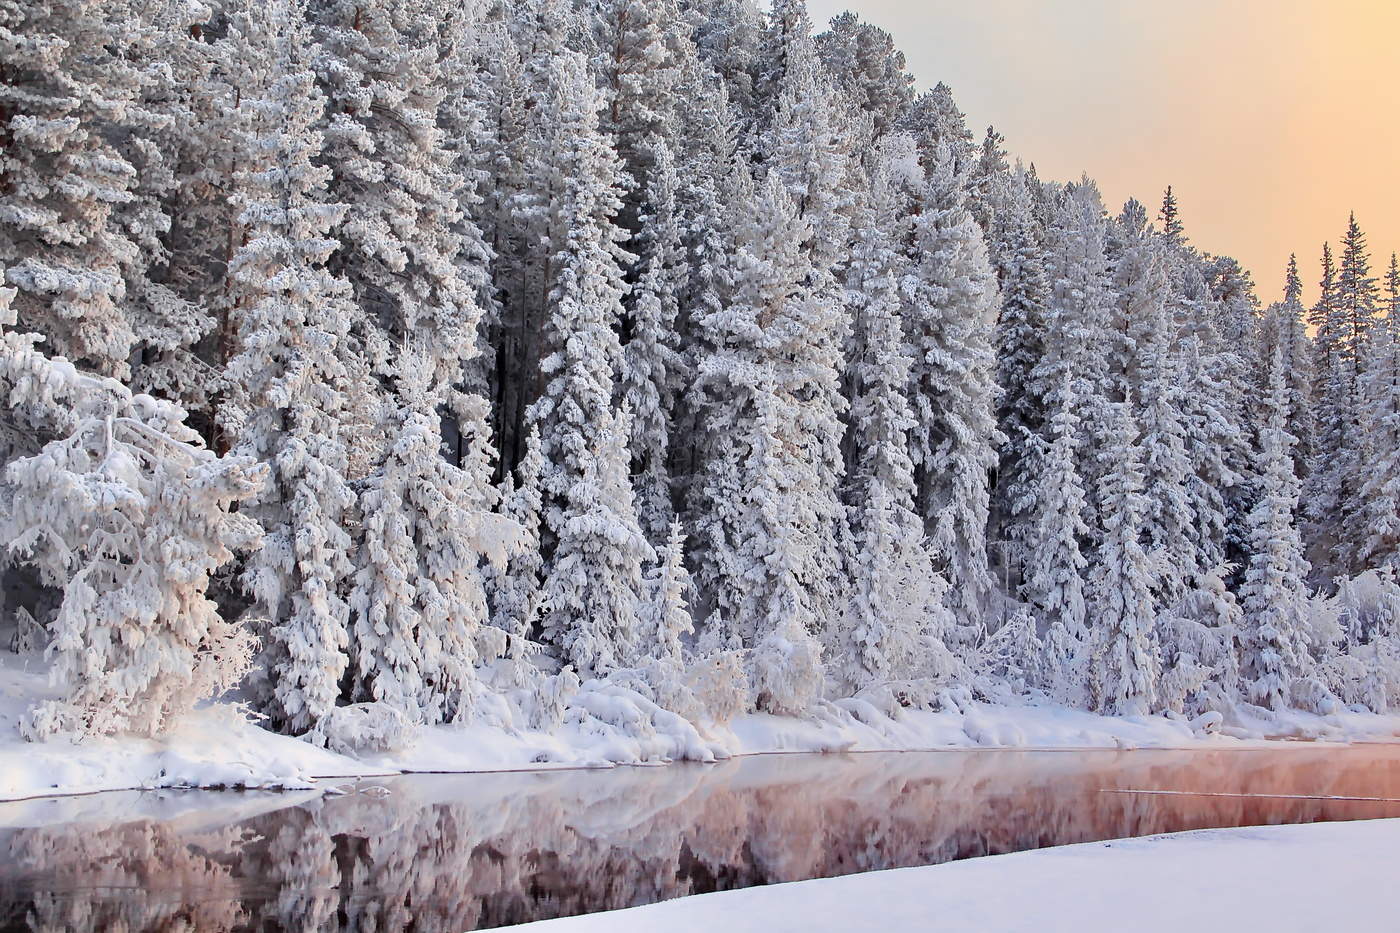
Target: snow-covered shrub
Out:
[785,671]
[717,682]
[364,728]
[1015,655]
[1200,667]
[128,514]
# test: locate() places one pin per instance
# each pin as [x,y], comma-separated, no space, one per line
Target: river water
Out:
[462,852]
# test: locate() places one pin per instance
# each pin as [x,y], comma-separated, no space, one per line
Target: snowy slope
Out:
[1319,877]
[606,726]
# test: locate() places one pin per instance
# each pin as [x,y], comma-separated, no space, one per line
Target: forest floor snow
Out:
[218,745]
[1316,877]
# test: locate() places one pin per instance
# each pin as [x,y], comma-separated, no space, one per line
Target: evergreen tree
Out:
[1021,344]
[592,577]
[1126,663]
[952,297]
[73,112]
[1275,597]
[767,522]
[1054,563]
[652,364]
[888,632]
[291,316]
[1380,493]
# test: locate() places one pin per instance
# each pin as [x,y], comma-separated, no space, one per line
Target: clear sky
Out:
[1272,119]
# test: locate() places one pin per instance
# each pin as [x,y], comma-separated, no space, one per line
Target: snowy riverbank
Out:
[1227,879]
[217,746]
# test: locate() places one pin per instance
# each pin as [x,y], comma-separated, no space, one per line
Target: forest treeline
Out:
[415,361]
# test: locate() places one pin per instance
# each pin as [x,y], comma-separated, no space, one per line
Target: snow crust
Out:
[1227,879]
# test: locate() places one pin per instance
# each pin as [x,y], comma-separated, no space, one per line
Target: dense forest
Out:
[416,362]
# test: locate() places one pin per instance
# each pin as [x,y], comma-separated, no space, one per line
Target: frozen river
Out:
[462,852]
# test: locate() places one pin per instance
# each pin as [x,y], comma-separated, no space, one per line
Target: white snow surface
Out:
[219,746]
[1317,877]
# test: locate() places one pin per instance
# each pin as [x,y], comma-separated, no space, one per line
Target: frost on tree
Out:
[1125,663]
[953,301]
[68,92]
[1275,651]
[128,514]
[593,576]
[767,522]
[419,595]
[1054,563]
[291,316]
[892,628]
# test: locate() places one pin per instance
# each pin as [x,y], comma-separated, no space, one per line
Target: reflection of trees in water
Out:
[450,854]
[144,877]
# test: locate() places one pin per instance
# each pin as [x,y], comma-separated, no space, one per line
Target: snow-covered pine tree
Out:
[593,571]
[1021,338]
[1274,643]
[1054,563]
[291,316]
[128,514]
[1125,663]
[952,307]
[634,46]
[1143,316]
[1283,326]
[865,65]
[933,119]
[892,627]
[665,617]
[766,520]
[1380,492]
[419,598]
[70,95]
[651,362]
[1354,308]
[810,156]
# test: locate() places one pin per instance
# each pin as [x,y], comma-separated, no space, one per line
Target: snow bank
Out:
[1231,879]
[603,725]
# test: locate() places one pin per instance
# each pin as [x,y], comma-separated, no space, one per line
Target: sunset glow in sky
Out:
[1272,119]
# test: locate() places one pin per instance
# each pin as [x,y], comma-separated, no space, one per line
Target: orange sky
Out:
[1272,119]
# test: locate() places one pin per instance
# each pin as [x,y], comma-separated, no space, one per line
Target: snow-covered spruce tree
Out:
[593,573]
[1125,663]
[635,46]
[1143,315]
[952,306]
[1283,326]
[1054,563]
[892,627]
[1078,337]
[128,514]
[1354,307]
[864,63]
[406,248]
[1380,491]
[812,154]
[651,362]
[291,317]
[419,597]
[766,518]
[1274,643]
[69,95]
[515,590]
[665,618]
[1020,345]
